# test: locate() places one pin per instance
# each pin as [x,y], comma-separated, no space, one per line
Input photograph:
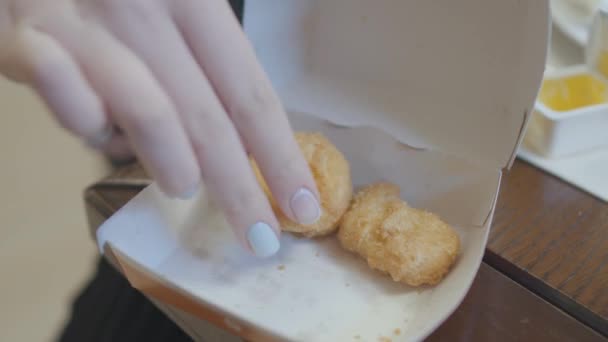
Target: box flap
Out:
[454,76]
[184,254]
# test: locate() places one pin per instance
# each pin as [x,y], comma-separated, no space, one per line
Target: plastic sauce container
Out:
[569,93]
[571,110]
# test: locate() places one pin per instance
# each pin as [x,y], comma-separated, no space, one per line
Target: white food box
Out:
[431,95]
[557,132]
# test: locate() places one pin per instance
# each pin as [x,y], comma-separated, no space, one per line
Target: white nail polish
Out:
[263,240]
[305,207]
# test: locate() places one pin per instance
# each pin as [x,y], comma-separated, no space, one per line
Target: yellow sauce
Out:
[602,63]
[573,92]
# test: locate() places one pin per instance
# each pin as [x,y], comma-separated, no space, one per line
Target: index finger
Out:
[249,99]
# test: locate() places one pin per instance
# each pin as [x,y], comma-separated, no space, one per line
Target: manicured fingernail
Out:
[190,193]
[263,240]
[305,206]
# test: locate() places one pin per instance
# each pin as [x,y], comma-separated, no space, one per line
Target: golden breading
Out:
[413,246]
[331,173]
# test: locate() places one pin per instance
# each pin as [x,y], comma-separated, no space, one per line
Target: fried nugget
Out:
[414,247]
[331,172]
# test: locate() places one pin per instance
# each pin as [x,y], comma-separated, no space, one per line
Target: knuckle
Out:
[22,55]
[205,132]
[200,145]
[241,202]
[141,122]
[44,73]
[141,10]
[288,170]
[256,101]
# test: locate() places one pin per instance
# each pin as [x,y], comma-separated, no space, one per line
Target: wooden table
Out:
[545,274]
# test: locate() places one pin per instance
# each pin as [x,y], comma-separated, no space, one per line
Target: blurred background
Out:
[46,253]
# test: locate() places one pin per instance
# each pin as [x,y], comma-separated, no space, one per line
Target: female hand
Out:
[181,82]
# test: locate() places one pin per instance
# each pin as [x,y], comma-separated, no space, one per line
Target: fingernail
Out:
[263,240]
[305,206]
[190,193]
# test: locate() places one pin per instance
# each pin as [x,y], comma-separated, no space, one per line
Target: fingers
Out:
[176,122]
[58,79]
[251,103]
[113,143]
[223,161]
[39,60]
[229,177]
[138,103]
[118,149]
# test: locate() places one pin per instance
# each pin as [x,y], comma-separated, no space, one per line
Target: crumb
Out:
[384,339]
[397,331]
[580,213]
[281,267]
[357,337]
[525,321]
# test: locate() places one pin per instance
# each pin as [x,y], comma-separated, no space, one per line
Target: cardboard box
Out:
[431,95]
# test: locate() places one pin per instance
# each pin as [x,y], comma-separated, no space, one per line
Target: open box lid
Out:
[455,76]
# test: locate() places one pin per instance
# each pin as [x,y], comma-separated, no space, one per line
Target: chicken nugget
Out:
[331,172]
[413,246]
